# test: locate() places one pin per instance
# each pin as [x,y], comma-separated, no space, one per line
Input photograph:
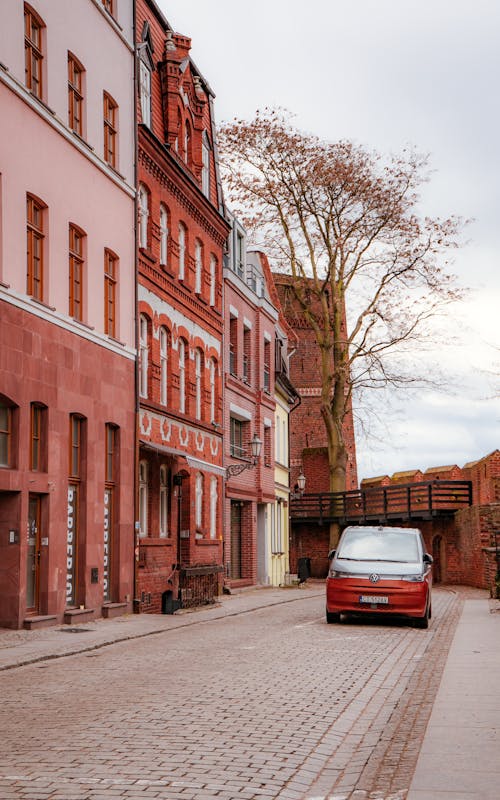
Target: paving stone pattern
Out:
[269,704]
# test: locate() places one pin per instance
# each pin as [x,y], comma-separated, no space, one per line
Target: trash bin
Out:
[303,569]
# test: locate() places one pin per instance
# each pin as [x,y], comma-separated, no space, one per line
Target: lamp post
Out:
[237,469]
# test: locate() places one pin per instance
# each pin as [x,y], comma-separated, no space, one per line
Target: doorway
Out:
[236,536]
[33,555]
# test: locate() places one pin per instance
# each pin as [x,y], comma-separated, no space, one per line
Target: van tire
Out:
[332,617]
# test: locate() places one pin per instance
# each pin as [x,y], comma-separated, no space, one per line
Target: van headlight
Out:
[336,573]
[413,578]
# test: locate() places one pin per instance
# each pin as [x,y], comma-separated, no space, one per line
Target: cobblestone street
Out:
[273,703]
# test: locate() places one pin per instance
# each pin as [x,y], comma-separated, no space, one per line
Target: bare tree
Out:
[368,272]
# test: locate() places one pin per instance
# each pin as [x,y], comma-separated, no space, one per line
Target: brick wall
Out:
[307,429]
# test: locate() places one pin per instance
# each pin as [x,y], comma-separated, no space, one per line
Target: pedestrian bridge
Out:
[424,500]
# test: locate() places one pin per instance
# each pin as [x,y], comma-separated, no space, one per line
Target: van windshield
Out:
[371,544]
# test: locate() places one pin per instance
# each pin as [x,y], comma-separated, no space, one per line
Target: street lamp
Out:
[237,469]
[298,489]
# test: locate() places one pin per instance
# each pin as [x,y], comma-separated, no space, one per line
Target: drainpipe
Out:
[136,601]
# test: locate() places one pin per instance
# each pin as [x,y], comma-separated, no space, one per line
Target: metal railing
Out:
[423,500]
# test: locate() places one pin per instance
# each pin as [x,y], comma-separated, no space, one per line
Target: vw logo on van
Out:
[374,578]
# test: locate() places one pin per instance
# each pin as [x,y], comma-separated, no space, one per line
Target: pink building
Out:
[250,321]
[67,288]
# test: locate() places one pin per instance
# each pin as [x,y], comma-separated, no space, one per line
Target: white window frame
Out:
[163,500]
[143,216]
[213,279]
[163,235]
[279,527]
[182,375]
[143,498]
[198,258]
[163,365]
[213,507]
[143,356]
[182,251]
[205,169]
[198,363]
[212,371]
[199,500]
[187,140]
[145,92]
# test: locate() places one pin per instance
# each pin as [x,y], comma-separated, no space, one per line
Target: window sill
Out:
[147,254]
[81,139]
[113,169]
[207,540]
[42,103]
[155,541]
[41,303]
[115,340]
[167,270]
[83,324]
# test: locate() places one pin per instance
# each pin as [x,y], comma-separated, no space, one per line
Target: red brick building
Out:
[181,239]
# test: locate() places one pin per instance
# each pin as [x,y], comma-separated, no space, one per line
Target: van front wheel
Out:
[332,617]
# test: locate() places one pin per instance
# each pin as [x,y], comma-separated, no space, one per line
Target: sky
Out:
[388,74]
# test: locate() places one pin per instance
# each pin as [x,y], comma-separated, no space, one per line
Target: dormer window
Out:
[145,93]
[187,143]
[146,67]
[205,169]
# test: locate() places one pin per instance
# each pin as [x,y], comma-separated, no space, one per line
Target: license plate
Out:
[369,598]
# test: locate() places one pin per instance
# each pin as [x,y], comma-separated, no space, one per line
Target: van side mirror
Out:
[428,559]
[331,554]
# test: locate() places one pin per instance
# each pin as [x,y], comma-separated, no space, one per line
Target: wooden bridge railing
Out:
[423,500]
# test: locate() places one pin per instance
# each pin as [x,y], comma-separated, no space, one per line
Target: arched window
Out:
[212,369]
[182,376]
[163,366]
[213,507]
[77,248]
[179,132]
[187,142]
[6,454]
[163,235]
[143,216]
[143,356]
[110,121]
[35,215]
[33,51]
[198,367]
[199,500]
[213,279]
[76,74]
[182,251]
[163,511]
[145,92]
[143,498]
[205,170]
[198,259]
